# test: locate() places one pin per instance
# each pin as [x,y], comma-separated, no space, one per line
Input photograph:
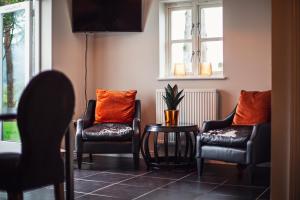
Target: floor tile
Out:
[95,197]
[204,178]
[220,197]
[190,187]
[168,195]
[265,195]
[109,177]
[149,182]
[129,171]
[104,171]
[261,178]
[124,191]
[221,170]
[169,174]
[44,193]
[88,186]
[84,173]
[103,163]
[238,191]
[3,196]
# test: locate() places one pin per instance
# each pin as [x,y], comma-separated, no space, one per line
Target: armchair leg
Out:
[251,172]
[59,191]
[91,157]
[15,195]
[200,164]
[79,159]
[136,160]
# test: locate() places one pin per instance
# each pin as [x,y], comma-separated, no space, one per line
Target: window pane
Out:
[181,24]
[13,66]
[181,54]
[211,22]
[212,52]
[10,131]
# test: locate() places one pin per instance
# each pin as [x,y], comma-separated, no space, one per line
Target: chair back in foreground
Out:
[44,112]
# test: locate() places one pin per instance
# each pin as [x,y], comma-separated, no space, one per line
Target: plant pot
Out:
[171,117]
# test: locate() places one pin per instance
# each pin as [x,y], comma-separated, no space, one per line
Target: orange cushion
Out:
[115,106]
[253,108]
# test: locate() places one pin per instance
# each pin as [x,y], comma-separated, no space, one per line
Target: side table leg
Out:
[156,157]
[145,149]
[166,142]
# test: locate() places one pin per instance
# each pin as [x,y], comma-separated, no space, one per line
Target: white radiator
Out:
[198,105]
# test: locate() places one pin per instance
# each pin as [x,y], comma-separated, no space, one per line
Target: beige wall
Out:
[68,52]
[131,60]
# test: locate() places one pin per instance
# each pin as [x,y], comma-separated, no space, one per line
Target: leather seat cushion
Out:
[233,136]
[9,170]
[108,132]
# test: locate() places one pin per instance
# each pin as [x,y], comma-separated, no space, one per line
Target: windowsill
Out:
[213,77]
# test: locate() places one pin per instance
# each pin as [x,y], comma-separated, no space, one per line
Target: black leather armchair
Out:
[244,145]
[108,137]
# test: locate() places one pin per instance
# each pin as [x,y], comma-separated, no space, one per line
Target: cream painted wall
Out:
[68,52]
[131,60]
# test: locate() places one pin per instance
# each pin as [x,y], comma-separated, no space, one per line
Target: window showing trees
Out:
[16,30]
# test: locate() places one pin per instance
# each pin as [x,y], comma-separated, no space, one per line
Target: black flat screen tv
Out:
[107,15]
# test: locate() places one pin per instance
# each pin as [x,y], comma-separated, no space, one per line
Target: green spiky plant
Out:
[172,97]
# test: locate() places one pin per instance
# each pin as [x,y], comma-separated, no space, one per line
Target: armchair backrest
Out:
[44,112]
[137,111]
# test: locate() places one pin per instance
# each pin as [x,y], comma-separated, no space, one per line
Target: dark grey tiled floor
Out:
[112,178]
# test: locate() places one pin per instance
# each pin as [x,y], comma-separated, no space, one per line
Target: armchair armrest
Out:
[218,124]
[259,144]
[85,122]
[136,126]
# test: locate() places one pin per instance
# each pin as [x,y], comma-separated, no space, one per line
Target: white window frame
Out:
[32,30]
[169,41]
[165,29]
[201,5]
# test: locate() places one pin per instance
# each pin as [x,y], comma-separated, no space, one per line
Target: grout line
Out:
[117,183]
[217,186]
[110,172]
[136,186]
[90,175]
[162,186]
[262,193]
[155,177]
[88,180]
[99,195]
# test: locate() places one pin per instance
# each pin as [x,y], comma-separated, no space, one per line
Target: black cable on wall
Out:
[85,68]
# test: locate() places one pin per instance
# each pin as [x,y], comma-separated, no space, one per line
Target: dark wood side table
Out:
[184,150]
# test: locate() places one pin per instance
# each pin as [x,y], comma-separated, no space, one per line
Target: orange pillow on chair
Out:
[115,106]
[253,108]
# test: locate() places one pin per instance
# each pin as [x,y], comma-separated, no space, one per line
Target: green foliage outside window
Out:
[9,129]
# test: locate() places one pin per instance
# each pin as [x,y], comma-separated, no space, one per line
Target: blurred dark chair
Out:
[108,138]
[249,146]
[43,116]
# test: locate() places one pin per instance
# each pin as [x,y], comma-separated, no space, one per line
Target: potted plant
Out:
[172,99]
